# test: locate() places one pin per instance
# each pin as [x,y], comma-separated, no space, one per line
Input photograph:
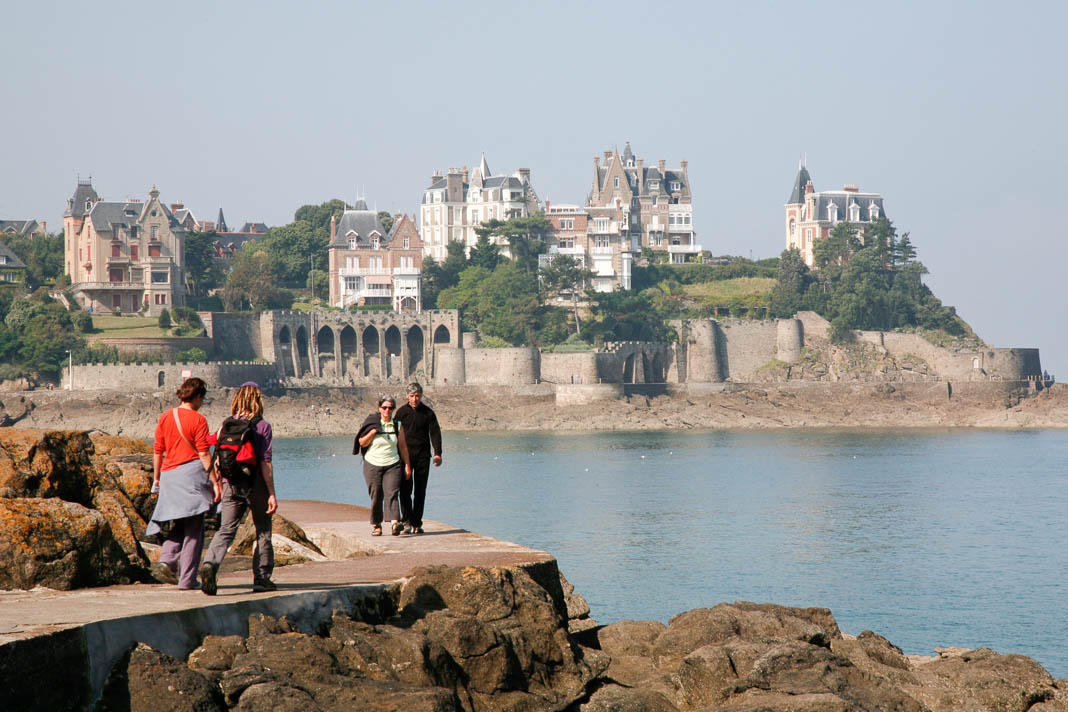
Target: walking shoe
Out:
[396,528]
[207,578]
[409,529]
[417,530]
[263,585]
[376,530]
[163,573]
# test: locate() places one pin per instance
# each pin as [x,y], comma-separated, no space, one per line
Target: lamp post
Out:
[70,370]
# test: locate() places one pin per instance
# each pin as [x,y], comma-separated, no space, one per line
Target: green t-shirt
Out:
[383,449]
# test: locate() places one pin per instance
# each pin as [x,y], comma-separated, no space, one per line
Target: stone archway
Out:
[349,361]
[442,335]
[324,345]
[285,351]
[415,350]
[372,358]
[303,356]
[394,363]
[628,369]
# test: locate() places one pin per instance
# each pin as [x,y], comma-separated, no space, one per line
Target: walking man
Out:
[422,432]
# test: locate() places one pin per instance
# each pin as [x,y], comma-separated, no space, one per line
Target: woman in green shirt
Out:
[381,441]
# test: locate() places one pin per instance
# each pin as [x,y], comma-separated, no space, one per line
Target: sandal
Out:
[376,530]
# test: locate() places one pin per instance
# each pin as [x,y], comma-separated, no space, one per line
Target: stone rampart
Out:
[748,345]
[156,346]
[166,376]
[570,368]
[235,335]
[502,367]
[587,393]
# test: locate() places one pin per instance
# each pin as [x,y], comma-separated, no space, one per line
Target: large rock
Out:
[46,463]
[58,544]
[506,632]
[149,681]
[983,680]
[694,629]
[245,538]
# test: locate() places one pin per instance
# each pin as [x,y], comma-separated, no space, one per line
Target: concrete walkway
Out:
[29,613]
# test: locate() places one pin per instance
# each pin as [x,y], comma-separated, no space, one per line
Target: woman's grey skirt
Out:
[184,491]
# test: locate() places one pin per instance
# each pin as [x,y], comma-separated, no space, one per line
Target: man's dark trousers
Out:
[413,491]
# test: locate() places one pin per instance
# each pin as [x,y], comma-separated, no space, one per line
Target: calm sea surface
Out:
[931,538]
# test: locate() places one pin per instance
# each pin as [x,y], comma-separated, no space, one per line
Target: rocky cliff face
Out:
[477,639]
[72,509]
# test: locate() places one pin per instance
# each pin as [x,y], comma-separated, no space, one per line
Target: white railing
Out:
[602,250]
[556,250]
[377,271]
[612,229]
[684,249]
[109,285]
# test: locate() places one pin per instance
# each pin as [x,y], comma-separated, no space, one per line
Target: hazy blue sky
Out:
[954,111]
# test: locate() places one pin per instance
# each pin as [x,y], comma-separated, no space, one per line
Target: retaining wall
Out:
[502,367]
[165,376]
[159,347]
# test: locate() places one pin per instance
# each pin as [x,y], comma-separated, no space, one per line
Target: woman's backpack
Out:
[234,455]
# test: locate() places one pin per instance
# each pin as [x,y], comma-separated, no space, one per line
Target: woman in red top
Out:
[181,474]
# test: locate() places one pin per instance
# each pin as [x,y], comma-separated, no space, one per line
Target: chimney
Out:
[595,196]
[176,206]
[333,228]
[850,188]
[546,205]
[641,176]
[524,175]
[809,188]
[465,174]
[44,226]
[662,165]
[608,155]
[435,177]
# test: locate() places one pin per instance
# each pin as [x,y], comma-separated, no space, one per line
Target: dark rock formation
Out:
[74,508]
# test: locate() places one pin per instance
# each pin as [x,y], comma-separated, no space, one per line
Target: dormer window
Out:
[88,204]
[854,212]
[406,241]
[654,185]
[873,212]
[352,242]
[676,185]
[374,242]
[832,212]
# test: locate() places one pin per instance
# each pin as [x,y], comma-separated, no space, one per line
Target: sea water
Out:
[930,538]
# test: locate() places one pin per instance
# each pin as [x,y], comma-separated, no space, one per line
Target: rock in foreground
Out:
[477,639]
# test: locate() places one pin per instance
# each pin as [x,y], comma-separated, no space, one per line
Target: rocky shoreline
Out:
[443,638]
[333,411]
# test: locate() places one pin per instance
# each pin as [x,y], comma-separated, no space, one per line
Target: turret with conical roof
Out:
[797,196]
[220,224]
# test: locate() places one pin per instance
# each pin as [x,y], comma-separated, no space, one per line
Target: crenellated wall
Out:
[166,376]
[337,348]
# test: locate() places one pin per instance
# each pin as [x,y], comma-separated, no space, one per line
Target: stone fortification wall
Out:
[237,336]
[587,393]
[166,376]
[748,345]
[156,347]
[575,367]
[502,367]
[789,340]
[451,366]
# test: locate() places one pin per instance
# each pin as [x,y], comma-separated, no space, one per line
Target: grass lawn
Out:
[723,291]
[127,326]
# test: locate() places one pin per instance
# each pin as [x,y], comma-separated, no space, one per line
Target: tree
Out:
[835,249]
[43,255]
[790,284]
[165,319]
[525,237]
[386,218]
[438,276]
[565,275]
[319,283]
[251,282]
[485,254]
[202,267]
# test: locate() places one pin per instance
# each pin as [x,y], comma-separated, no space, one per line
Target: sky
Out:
[956,112]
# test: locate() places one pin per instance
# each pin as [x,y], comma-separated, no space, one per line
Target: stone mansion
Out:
[123,256]
[811,215]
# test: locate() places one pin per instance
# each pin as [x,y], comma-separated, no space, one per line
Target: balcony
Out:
[605,250]
[684,249]
[612,229]
[675,229]
[573,251]
[378,271]
[91,286]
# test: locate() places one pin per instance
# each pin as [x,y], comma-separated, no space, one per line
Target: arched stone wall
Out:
[347,348]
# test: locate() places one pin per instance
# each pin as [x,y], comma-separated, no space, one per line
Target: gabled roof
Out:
[363,223]
[18,227]
[82,193]
[12,259]
[798,193]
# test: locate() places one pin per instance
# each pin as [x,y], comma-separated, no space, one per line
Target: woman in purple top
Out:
[255,493]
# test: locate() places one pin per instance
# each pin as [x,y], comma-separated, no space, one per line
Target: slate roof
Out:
[363,222]
[12,259]
[650,173]
[83,192]
[843,199]
[105,215]
[220,223]
[798,193]
[18,227]
[255,227]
